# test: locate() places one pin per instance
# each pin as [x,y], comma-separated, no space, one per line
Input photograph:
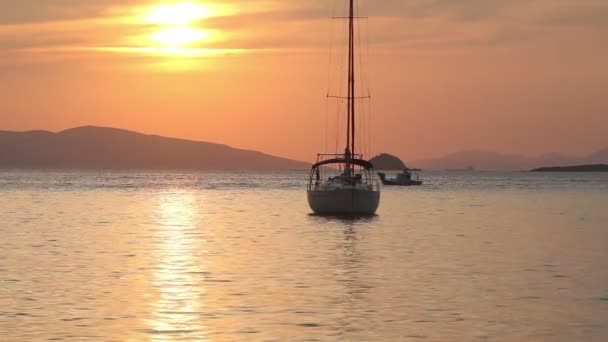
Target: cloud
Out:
[590,14]
[35,11]
[98,26]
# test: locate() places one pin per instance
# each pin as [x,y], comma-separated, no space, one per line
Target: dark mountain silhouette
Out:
[488,160]
[553,159]
[110,148]
[575,168]
[385,161]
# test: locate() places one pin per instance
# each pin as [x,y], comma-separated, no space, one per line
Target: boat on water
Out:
[345,183]
[405,178]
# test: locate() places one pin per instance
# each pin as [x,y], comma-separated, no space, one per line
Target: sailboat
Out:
[352,187]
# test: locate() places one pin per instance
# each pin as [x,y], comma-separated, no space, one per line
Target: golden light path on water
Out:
[176,313]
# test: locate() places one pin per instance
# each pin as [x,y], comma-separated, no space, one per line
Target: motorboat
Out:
[405,178]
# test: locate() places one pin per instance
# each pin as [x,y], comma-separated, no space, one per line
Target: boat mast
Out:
[350,129]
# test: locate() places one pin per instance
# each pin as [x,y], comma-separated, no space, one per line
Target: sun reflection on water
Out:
[177,311]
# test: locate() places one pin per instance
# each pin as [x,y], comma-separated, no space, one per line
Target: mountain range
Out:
[110,148]
[488,160]
[91,147]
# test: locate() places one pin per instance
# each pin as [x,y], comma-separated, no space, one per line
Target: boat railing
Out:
[367,179]
[324,156]
[372,186]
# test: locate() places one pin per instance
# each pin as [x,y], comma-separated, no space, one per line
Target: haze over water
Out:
[104,256]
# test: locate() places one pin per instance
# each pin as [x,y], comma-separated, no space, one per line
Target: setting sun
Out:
[179,36]
[178,24]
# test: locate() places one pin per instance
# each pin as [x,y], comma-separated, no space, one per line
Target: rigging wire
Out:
[331,47]
[341,77]
[368,76]
[364,129]
[361,127]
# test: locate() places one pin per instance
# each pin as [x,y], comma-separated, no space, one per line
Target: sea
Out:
[216,256]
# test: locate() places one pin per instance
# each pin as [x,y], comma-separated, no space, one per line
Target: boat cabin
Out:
[341,171]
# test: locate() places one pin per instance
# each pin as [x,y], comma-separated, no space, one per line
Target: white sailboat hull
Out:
[344,201]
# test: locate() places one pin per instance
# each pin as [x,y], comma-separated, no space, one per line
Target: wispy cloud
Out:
[103,26]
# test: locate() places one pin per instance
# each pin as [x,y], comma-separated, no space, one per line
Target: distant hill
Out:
[489,160]
[385,161]
[576,168]
[599,157]
[479,160]
[110,148]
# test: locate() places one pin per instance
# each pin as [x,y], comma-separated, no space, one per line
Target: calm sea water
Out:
[133,256]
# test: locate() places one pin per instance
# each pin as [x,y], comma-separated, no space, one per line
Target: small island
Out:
[388,162]
[575,168]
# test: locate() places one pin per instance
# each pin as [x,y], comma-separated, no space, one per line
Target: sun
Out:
[179,36]
[177,23]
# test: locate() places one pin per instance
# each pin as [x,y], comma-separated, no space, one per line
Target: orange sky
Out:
[514,76]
